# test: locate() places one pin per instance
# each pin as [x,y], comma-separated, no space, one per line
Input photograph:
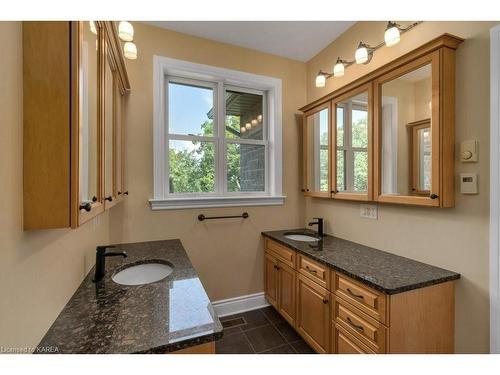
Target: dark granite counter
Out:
[383,271]
[170,314]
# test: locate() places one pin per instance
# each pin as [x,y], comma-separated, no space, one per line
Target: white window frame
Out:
[226,79]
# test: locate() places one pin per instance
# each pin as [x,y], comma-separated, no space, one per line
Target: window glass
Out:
[245,167]
[244,115]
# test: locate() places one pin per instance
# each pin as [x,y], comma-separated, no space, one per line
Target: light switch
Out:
[468,183]
[468,151]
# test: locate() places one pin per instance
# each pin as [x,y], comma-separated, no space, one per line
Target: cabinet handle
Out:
[325,301]
[311,270]
[434,196]
[110,198]
[125,192]
[119,192]
[357,327]
[302,190]
[87,206]
[354,294]
[94,199]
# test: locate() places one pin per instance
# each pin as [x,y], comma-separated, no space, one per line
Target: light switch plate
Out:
[369,211]
[468,151]
[468,183]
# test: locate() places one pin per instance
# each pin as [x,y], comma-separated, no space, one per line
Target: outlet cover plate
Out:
[369,211]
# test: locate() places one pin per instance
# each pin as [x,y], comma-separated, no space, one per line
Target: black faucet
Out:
[319,223]
[100,260]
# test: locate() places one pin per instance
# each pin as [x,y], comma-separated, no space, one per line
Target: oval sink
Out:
[301,237]
[141,274]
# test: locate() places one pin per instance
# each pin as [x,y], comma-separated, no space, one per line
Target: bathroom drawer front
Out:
[368,300]
[366,329]
[314,270]
[283,253]
[345,343]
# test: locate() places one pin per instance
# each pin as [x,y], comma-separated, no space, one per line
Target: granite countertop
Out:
[105,317]
[381,270]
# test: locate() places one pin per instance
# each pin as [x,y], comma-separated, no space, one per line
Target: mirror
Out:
[406,133]
[108,128]
[89,134]
[351,144]
[317,152]
[118,113]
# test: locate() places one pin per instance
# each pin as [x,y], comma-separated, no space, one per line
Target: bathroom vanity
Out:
[170,315]
[343,297]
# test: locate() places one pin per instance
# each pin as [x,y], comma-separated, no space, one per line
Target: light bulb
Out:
[126,31]
[254,122]
[338,69]
[361,54]
[248,126]
[392,34]
[320,80]
[243,129]
[130,50]
[93,29]
[259,117]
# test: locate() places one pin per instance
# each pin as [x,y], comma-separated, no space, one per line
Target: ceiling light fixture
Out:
[364,52]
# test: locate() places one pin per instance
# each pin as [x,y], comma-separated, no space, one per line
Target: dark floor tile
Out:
[264,338]
[254,319]
[284,349]
[231,331]
[287,331]
[233,344]
[272,314]
[302,347]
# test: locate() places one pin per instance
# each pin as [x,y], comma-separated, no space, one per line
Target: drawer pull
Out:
[354,294]
[325,301]
[311,270]
[357,327]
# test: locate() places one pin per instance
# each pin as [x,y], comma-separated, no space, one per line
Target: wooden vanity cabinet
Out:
[336,314]
[64,113]
[410,116]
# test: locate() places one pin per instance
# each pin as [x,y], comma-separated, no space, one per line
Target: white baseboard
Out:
[239,304]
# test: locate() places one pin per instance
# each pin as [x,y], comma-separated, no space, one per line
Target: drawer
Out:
[368,300]
[281,252]
[314,270]
[366,329]
[345,343]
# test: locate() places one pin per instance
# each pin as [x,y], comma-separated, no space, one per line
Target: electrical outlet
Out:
[369,211]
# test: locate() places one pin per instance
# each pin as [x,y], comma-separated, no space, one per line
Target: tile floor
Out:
[262,331]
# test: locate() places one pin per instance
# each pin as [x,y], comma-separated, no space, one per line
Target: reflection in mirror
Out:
[108,128]
[352,144]
[88,139]
[317,151]
[406,133]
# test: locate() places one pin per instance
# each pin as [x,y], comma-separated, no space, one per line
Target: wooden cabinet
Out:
[65,168]
[392,132]
[336,314]
[313,313]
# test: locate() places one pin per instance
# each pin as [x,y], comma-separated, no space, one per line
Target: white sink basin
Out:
[301,237]
[141,274]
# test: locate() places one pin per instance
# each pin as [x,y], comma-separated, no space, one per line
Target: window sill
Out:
[182,203]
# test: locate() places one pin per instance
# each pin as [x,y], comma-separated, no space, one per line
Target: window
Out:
[217,137]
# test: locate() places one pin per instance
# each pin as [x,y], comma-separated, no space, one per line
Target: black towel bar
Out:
[202,217]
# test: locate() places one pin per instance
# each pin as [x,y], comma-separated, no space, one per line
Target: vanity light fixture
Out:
[130,50]
[126,31]
[364,52]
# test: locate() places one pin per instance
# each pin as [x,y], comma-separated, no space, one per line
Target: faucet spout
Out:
[319,223]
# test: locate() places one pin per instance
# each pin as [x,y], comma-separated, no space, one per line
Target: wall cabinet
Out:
[75,83]
[392,132]
[337,314]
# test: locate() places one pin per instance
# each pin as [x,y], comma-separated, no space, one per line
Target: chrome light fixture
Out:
[364,52]
[126,31]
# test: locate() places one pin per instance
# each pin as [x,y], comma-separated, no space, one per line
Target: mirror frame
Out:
[368,87]
[307,192]
[433,59]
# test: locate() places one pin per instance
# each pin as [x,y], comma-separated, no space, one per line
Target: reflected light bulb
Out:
[126,31]
[259,117]
[93,29]
[254,122]
[130,50]
[243,129]
[248,126]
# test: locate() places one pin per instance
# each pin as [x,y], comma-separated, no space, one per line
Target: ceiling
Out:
[297,40]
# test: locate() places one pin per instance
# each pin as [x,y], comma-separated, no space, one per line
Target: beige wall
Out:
[455,238]
[39,270]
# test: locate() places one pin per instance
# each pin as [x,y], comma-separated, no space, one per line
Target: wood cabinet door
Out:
[271,280]
[286,295]
[312,320]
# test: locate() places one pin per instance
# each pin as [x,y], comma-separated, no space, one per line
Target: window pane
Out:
[360,171]
[244,115]
[323,127]
[192,167]
[190,109]
[245,167]
[341,183]
[323,169]
[359,128]
[425,159]
[340,126]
